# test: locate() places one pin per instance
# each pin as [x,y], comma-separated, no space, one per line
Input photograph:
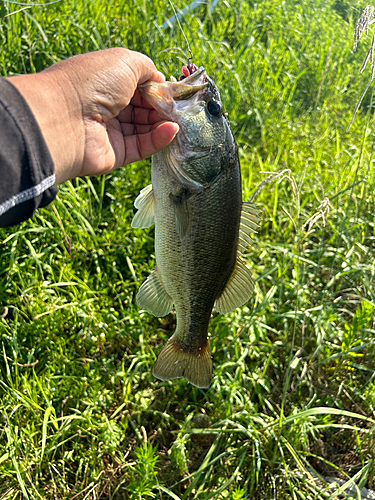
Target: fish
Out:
[202,226]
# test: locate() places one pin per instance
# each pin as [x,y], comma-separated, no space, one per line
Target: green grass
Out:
[293,396]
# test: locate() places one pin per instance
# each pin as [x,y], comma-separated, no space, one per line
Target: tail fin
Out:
[173,362]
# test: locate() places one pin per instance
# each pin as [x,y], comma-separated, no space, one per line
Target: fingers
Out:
[101,103]
[138,100]
[104,82]
[134,129]
[140,116]
[141,146]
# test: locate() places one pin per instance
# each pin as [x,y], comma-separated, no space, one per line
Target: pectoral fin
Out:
[181,211]
[145,202]
[152,296]
[250,218]
[238,290]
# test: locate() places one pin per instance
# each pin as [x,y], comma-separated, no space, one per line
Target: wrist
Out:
[57,115]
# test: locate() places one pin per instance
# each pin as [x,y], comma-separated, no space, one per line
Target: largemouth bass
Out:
[202,227]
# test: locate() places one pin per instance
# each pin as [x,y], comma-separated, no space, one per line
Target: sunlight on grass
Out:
[292,400]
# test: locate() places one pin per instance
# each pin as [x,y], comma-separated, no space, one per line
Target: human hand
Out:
[91,114]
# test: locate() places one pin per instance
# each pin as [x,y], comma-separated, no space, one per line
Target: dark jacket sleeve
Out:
[27,178]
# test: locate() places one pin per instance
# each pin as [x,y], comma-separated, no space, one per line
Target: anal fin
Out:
[145,202]
[152,296]
[174,362]
[238,290]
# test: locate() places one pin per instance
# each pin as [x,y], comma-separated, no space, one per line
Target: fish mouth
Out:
[164,96]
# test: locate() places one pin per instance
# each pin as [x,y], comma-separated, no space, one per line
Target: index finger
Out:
[145,68]
[138,115]
[138,101]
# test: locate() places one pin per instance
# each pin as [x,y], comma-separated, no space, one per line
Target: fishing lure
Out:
[188,70]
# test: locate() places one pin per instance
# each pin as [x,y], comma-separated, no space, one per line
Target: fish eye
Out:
[214,108]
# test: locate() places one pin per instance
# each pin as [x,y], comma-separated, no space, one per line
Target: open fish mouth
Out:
[164,96]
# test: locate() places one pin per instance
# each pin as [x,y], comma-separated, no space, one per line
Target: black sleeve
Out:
[27,178]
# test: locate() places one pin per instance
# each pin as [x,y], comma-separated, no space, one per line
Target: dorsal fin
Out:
[240,285]
[249,223]
[145,202]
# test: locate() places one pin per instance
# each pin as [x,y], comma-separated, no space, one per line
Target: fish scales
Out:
[201,225]
[196,269]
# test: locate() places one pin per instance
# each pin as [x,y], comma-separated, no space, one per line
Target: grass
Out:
[292,399]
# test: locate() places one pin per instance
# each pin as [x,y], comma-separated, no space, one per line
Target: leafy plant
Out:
[143,479]
[363,318]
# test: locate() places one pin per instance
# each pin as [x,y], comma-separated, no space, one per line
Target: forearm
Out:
[58,119]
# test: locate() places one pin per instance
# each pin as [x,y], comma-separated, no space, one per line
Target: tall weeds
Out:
[292,398]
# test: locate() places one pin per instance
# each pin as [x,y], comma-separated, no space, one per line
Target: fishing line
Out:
[32,4]
[182,31]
